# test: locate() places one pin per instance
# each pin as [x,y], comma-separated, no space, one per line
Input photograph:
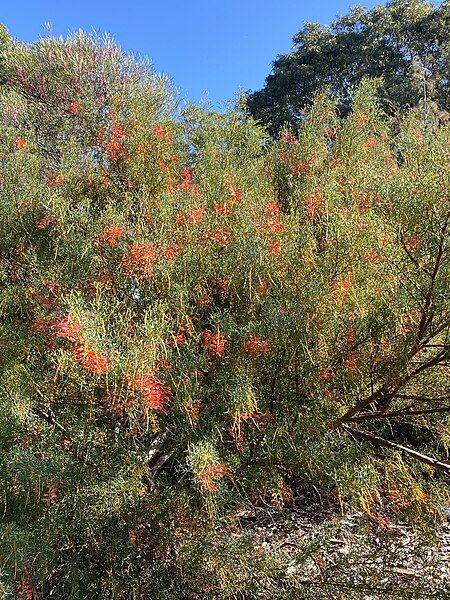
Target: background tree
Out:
[405,43]
[5,41]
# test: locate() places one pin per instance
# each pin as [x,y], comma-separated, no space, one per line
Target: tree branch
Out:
[391,415]
[379,441]
[50,417]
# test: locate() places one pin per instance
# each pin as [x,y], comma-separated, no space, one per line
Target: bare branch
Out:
[379,441]
[391,415]
[49,416]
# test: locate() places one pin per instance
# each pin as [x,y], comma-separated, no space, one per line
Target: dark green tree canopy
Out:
[406,43]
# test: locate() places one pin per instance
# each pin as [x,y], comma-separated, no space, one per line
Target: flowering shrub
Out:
[190,311]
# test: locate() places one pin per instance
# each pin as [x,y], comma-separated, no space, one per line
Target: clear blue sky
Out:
[209,48]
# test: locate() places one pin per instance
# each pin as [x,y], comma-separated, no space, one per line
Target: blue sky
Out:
[210,48]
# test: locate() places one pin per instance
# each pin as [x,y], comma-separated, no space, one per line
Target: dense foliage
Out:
[405,42]
[192,314]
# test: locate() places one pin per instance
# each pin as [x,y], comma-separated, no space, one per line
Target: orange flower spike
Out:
[207,475]
[44,223]
[55,180]
[111,236]
[155,395]
[234,194]
[274,247]
[74,108]
[188,177]
[171,252]
[162,133]
[93,361]
[214,343]
[66,328]
[256,345]
[20,143]
[139,260]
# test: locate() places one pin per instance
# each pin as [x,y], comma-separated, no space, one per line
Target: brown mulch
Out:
[332,555]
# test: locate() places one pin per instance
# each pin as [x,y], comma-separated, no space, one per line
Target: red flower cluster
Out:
[111,236]
[193,217]
[342,286]
[256,345]
[188,178]
[222,236]
[207,475]
[327,373]
[24,587]
[213,343]
[272,223]
[91,360]
[225,208]
[162,133]
[288,138]
[44,223]
[20,143]
[301,167]
[170,252]
[73,108]
[235,196]
[351,362]
[139,261]
[274,247]
[313,206]
[154,394]
[359,118]
[85,353]
[55,180]
[370,144]
[113,146]
[272,226]
[67,329]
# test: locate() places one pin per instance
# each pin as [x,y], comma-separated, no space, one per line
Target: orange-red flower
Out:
[74,108]
[234,194]
[314,206]
[188,178]
[20,143]
[139,260]
[55,180]
[89,358]
[67,328]
[327,374]
[114,146]
[274,247]
[111,236]
[271,224]
[44,223]
[222,236]
[213,343]
[85,353]
[256,345]
[170,252]
[154,394]
[193,217]
[162,133]
[206,476]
